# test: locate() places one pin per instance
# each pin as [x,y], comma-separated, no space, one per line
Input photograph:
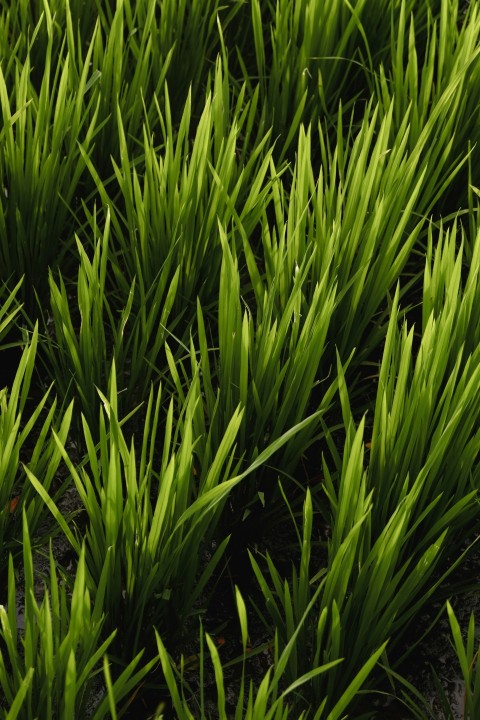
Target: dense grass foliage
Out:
[239,355]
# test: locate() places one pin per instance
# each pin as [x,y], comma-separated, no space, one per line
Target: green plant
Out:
[430,81]
[165,216]
[265,701]
[268,359]
[314,615]
[307,55]
[80,358]
[41,163]
[387,537]
[223,214]
[351,215]
[9,310]
[427,408]
[20,422]
[52,652]
[148,519]
[420,706]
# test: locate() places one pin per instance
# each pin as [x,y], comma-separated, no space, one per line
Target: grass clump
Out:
[239,354]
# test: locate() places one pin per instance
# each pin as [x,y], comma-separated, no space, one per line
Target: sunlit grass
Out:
[240,270]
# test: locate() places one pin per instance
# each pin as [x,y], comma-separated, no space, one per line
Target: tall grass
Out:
[268,701]
[389,532]
[418,704]
[51,653]
[26,437]
[149,518]
[239,244]
[431,83]
[41,164]
[81,359]
[192,176]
